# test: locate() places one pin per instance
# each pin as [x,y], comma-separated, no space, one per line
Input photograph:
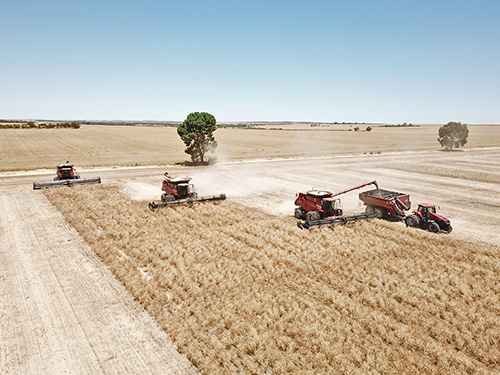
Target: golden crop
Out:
[241,291]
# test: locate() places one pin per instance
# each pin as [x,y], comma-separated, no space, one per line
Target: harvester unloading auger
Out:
[66,175]
[178,191]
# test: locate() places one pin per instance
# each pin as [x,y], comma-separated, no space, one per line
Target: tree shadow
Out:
[187,163]
[452,150]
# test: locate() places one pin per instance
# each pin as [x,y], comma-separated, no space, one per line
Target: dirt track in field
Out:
[62,311]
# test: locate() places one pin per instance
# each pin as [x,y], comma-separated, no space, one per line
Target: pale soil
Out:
[40,252]
[61,309]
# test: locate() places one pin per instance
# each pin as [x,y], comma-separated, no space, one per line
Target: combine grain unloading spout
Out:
[71,182]
[374,182]
[155,205]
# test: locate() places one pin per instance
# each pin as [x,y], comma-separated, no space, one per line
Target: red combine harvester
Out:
[176,188]
[316,205]
[178,191]
[426,217]
[322,207]
[66,175]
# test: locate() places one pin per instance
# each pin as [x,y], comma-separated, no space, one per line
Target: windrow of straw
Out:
[241,291]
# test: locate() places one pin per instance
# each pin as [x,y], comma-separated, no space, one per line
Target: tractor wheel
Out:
[170,198]
[449,229]
[412,221]
[433,227]
[299,214]
[164,197]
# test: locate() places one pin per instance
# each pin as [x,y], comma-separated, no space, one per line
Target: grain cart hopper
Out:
[426,217]
[66,175]
[385,203]
[178,191]
[322,208]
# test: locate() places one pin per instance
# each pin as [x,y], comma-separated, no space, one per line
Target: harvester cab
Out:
[426,217]
[178,191]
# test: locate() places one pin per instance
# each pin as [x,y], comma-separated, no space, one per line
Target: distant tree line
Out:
[33,125]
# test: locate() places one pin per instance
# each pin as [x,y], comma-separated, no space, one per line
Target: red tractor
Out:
[426,217]
[316,205]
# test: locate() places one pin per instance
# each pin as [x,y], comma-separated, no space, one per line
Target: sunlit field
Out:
[96,145]
[242,291]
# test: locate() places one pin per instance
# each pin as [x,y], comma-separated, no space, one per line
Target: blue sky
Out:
[365,61]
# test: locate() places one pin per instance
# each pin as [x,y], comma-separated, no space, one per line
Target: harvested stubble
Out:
[241,291]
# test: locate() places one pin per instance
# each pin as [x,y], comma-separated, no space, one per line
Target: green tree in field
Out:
[197,134]
[453,134]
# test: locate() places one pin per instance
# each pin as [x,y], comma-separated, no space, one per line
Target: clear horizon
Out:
[324,61]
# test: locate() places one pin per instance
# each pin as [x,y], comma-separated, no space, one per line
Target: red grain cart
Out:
[385,203]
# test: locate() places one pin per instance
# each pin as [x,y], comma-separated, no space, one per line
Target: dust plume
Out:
[141,191]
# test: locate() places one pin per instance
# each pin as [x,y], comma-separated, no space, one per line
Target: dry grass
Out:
[240,291]
[94,146]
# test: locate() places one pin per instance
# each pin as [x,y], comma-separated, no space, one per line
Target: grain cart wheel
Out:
[433,227]
[369,209]
[412,220]
[299,214]
[379,212]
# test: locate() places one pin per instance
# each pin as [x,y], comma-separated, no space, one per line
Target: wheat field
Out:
[242,291]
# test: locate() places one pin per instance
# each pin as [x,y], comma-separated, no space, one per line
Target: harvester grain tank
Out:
[66,175]
[178,191]
[426,217]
